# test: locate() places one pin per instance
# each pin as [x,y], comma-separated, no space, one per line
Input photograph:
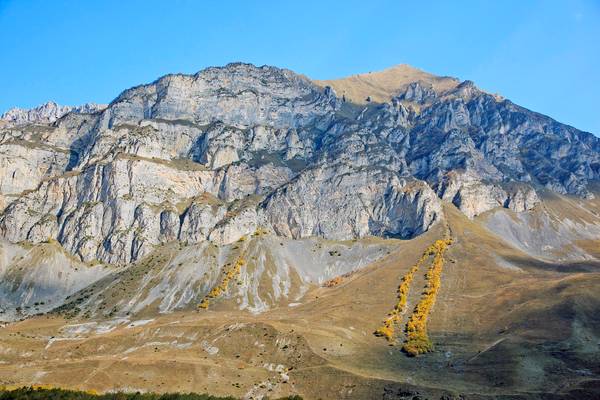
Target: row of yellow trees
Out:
[394,317]
[216,291]
[417,341]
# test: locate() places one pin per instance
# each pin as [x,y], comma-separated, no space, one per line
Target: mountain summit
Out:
[383,86]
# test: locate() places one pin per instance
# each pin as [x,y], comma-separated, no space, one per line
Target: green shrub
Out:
[46,393]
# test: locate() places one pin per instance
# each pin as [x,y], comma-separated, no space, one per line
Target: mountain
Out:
[45,113]
[383,86]
[201,211]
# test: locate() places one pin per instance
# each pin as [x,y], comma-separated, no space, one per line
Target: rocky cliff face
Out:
[217,155]
[46,113]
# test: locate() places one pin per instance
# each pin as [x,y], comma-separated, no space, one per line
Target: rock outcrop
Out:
[473,196]
[46,113]
[342,203]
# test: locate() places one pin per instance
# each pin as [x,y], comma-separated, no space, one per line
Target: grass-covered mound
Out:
[33,393]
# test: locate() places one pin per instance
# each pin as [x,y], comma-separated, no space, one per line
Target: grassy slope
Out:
[498,330]
[381,86]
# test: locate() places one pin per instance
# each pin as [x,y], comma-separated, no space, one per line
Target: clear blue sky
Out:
[544,55]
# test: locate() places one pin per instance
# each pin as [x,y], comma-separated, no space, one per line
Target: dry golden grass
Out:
[381,86]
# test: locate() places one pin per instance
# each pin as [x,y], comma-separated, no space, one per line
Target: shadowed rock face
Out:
[216,155]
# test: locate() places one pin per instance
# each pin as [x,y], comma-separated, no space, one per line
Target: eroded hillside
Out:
[247,231]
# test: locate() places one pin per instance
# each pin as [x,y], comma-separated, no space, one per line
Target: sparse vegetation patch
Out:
[387,330]
[417,340]
[222,287]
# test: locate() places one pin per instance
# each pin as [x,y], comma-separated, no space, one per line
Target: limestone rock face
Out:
[473,196]
[522,199]
[418,92]
[228,151]
[47,112]
[343,203]
[238,95]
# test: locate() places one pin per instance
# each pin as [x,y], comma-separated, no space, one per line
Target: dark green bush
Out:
[29,393]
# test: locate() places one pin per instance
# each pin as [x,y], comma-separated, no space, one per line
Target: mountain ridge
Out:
[405,69]
[46,113]
[278,129]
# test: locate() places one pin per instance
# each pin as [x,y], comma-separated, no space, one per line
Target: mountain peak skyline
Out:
[377,86]
[538,56]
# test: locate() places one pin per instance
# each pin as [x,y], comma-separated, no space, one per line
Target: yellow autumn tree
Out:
[417,340]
